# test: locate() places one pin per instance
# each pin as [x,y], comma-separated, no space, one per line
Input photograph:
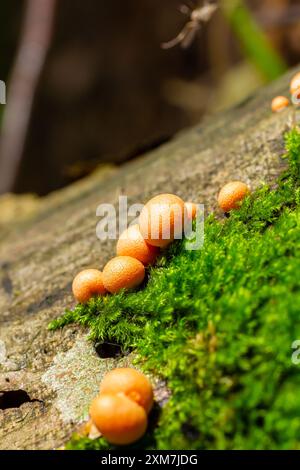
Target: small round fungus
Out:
[131,243]
[161,219]
[295,84]
[295,89]
[132,383]
[120,420]
[279,104]
[88,283]
[232,194]
[123,272]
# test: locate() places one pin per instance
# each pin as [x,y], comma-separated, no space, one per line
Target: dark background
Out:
[108,92]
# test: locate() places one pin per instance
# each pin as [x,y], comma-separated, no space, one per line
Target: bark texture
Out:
[48,378]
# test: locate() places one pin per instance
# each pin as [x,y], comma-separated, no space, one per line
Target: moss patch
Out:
[218,324]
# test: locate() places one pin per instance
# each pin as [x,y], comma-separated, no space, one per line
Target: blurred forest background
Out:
[88,83]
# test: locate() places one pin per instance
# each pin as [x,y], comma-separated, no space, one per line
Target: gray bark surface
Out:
[59,372]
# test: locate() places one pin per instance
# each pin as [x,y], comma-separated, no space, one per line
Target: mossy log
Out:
[48,378]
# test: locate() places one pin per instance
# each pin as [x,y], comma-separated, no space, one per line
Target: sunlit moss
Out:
[218,325]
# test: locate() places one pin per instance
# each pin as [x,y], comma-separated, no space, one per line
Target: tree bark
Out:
[60,371]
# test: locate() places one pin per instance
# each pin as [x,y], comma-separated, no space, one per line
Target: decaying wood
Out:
[60,371]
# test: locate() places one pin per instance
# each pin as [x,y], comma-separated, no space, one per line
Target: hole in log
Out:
[190,431]
[14,399]
[7,284]
[108,350]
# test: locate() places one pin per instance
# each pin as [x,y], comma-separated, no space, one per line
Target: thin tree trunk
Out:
[34,44]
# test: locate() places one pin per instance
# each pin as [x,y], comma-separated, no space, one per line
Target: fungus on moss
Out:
[218,325]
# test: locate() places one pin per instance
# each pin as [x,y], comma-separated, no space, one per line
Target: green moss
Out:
[218,325]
